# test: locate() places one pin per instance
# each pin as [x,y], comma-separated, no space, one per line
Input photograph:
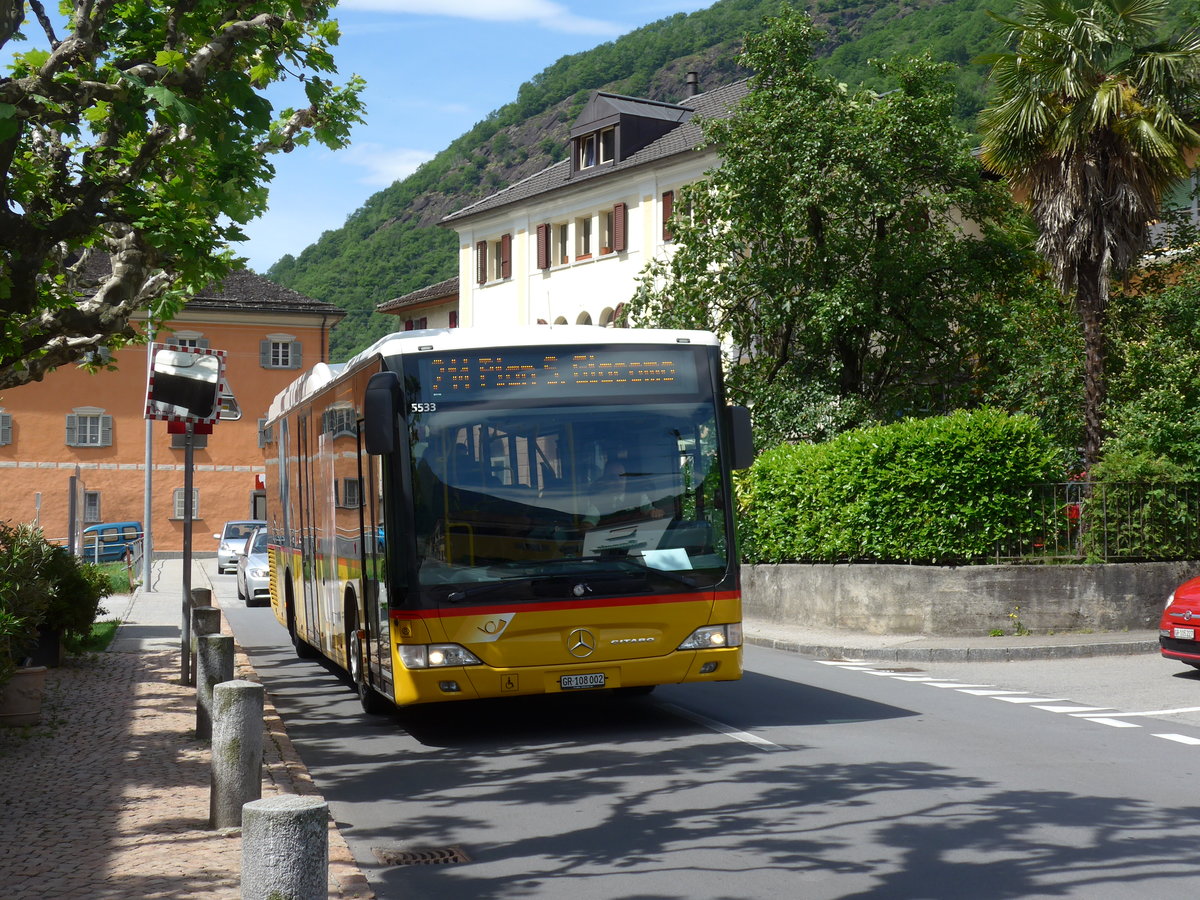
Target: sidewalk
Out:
[109,796]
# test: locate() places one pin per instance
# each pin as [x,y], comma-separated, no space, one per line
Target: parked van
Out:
[109,541]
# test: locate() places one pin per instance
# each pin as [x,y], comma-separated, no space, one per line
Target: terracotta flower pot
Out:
[21,697]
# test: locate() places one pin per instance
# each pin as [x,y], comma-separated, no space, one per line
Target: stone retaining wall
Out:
[962,600]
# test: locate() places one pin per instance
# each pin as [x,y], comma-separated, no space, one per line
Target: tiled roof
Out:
[441,290]
[246,290]
[686,137]
[241,289]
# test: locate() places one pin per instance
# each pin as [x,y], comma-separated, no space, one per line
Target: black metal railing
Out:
[1084,521]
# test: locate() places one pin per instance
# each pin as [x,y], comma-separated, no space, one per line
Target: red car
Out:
[1179,624]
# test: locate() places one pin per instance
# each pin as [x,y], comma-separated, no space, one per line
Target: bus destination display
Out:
[523,374]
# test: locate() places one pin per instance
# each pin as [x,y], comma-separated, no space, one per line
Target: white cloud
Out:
[383,165]
[550,15]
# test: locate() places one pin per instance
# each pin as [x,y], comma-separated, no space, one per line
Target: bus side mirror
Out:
[741,437]
[380,407]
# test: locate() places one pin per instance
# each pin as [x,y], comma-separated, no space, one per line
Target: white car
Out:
[232,540]
[253,571]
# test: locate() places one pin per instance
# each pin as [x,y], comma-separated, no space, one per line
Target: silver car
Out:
[253,571]
[232,539]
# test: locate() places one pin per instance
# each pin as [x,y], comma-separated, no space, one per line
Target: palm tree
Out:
[1091,120]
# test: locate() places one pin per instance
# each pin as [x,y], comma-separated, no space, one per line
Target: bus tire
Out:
[373,703]
[303,649]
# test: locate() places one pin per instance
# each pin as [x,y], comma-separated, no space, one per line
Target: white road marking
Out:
[1115,723]
[1180,739]
[721,728]
[988,693]
[957,685]
[1031,699]
[1074,709]
[1159,712]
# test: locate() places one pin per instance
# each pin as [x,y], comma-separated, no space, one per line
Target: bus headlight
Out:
[435,656]
[711,637]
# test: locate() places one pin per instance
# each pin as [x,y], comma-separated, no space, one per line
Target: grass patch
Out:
[101,636]
[118,576]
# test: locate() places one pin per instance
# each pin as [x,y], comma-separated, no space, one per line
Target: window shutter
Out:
[72,428]
[481,262]
[422,323]
[668,209]
[106,425]
[264,354]
[506,256]
[454,318]
[295,357]
[409,325]
[543,246]
[620,218]
[5,428]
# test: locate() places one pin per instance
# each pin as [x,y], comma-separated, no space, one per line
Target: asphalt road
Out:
[805,779]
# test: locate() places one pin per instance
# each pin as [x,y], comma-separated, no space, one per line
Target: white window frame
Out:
[583,237]
[91,508]
[177,504]
[92,427]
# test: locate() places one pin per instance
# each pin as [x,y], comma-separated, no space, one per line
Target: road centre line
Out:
[721,728]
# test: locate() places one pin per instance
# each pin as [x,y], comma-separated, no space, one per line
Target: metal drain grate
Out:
[427,856]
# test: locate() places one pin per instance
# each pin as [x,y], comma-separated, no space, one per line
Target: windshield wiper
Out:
[485,587]
[632,568]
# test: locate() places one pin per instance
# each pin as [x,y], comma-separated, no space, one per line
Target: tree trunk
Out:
[1091,301]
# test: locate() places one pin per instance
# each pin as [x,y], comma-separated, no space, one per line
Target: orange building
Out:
[91,425]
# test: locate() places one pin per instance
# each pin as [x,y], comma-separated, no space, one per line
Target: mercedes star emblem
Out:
[581,643]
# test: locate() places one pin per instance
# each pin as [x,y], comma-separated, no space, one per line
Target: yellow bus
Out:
[459,514]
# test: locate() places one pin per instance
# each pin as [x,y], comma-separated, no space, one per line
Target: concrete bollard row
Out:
[285,849]
[214,664]
[237,751]
[198,598]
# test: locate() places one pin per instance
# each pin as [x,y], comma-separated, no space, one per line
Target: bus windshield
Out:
[554,489]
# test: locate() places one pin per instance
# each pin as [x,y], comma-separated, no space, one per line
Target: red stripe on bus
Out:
[564,604]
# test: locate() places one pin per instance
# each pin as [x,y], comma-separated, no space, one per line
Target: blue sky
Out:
[433,70]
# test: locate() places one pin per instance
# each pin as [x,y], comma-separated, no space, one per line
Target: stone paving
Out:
[108,797]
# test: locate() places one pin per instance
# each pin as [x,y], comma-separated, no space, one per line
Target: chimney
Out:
[693,85]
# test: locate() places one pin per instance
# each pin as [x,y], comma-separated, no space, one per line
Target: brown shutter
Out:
[506,256]
[668,209]
[481,262]
[620,217]
[543,246]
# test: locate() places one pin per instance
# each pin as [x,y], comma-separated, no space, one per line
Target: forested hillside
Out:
[393,245]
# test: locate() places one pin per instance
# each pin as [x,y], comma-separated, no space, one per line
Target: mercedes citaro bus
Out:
[458,514]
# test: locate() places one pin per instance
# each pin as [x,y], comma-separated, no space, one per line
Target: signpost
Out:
[184,387]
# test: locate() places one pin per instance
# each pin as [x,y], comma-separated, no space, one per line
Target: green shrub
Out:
[936,490]
[43,584]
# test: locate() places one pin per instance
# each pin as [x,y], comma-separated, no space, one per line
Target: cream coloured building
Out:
[565,245]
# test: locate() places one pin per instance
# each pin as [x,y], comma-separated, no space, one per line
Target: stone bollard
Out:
[214,659]
[237,751]
[205,620]
[197,598]
[285,848]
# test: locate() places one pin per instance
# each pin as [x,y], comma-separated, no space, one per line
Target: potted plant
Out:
[43,589]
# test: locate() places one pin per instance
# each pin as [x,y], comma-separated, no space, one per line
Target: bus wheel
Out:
[373,703]
[303,649]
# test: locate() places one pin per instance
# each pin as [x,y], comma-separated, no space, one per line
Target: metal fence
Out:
[1084,521]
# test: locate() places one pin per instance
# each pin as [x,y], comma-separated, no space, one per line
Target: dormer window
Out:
[597,148]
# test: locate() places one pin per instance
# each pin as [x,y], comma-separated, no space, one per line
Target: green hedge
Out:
[937,490]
